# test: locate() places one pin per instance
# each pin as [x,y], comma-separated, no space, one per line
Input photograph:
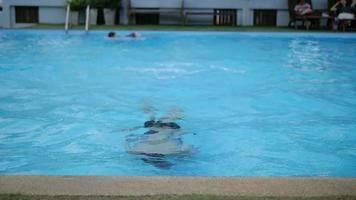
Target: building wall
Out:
[45,6]
[46,15]
[1,16]
[52,15]
[53,11]
[1,20]
[206,4]
[244,14]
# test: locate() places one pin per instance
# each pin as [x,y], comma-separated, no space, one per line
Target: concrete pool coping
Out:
[136,186]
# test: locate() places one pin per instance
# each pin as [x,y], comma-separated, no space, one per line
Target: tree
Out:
[77,5]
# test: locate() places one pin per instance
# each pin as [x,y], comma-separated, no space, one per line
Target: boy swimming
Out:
[160,141]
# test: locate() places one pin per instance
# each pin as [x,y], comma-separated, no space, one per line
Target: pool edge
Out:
[154,185]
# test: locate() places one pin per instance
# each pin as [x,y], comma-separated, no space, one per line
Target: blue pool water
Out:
[254,104]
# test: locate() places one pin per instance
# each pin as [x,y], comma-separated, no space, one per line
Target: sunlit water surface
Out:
[254,104]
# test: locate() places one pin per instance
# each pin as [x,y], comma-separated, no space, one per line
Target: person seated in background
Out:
[303,8]
[134,35]
[111,35]
[343,11]
[353,6]
[343,8]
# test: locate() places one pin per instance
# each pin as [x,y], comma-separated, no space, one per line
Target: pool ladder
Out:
[87,16]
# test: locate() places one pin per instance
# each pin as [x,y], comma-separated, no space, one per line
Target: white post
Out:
[67,19]
[87,19]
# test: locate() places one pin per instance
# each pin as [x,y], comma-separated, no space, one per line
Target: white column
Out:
[67,18]
[123,12]
[87,16]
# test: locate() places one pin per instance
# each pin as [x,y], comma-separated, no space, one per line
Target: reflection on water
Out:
[263,104]
[307,55]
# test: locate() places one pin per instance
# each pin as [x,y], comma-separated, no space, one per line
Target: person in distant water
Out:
[134,35]
[111,35]
[303,8]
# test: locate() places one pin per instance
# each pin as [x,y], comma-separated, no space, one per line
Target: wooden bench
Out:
[227,16]
[223,15]
[196,11]
[315,18]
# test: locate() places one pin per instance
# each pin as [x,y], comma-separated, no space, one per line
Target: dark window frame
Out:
[265,17]
[225,17]
[26,14]
[147,18]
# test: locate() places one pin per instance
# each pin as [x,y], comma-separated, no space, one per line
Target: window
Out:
[265,18]
[26,14]
[225,17]
[147,19]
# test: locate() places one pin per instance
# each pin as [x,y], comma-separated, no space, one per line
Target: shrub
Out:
[97,3]
[77,5]
[112,4]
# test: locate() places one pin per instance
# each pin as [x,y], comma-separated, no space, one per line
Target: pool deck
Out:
[137,186]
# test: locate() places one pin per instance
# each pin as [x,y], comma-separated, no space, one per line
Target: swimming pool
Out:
[252,104]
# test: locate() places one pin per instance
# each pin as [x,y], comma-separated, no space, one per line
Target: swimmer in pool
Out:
[134,35]
[168,121]
[160,124]
[160,141]
[111,35]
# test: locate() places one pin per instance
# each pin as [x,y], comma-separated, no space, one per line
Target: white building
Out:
[17,13]
[1,17]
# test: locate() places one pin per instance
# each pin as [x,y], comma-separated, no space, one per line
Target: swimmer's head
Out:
[111,35]
[134,35]
[170,125]
[149,124]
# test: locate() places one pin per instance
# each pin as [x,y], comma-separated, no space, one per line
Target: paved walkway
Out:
[125,186]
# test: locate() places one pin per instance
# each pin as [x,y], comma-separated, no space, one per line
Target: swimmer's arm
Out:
[131,129]
[183,132]
[333,8]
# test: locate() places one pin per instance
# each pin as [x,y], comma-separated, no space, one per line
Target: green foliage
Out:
[97,3]
[112,4]
[77,5]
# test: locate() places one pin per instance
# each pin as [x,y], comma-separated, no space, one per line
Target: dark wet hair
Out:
[111,34]
[159,124]
[171,125]
[150,132]
[149,124]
